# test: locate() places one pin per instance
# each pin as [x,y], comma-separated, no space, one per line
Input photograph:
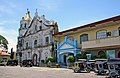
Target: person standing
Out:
[5,63]
[49,63]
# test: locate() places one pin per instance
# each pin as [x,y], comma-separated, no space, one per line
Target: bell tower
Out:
[25,23]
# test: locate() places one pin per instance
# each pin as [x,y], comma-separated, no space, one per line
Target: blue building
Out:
[65,48]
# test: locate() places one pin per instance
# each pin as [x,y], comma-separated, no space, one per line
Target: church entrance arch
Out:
[63,57]
[35,59]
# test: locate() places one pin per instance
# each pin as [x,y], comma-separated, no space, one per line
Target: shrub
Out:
[84,55]
[43,61]
[51,59]
[103,55]
[78,56]
[94,57]
[70,58]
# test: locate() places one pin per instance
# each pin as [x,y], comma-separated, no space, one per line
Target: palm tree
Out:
[3,42]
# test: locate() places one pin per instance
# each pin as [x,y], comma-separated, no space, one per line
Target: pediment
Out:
[65,45]
[38,22]
[31,28]
[66,52]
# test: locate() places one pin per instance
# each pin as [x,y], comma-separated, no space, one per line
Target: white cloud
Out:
[10,35]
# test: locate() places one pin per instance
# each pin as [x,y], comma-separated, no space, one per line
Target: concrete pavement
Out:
[42,72]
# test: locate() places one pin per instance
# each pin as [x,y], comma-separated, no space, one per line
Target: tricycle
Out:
[114,67]
[101,66]
[80,66]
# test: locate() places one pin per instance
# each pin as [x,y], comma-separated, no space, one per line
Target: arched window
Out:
[25,25]
[27,45]
[35,43]
[47,40]
[83,37]
[70,38]
[40,27]
[101,34]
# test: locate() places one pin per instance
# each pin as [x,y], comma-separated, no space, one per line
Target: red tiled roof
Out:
[90,25]
[4,53]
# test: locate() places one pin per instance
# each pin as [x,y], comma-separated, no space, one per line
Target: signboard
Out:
[110,53]
[88,56]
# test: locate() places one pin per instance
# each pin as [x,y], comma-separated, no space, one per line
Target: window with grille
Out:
[47,40]
[101,34]
[83,37]
[35,43]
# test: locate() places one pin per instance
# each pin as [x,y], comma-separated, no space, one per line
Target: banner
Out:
[88,57]
[110,53]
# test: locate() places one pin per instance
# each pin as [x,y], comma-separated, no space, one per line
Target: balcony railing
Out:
[110,41]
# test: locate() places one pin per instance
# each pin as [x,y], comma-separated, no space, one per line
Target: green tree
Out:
[3,42]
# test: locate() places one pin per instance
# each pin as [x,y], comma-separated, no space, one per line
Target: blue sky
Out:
[68,13]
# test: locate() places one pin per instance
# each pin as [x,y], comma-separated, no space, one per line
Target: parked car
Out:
[12,63]
[27,63]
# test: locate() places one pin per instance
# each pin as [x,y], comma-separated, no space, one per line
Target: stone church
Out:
[35,41]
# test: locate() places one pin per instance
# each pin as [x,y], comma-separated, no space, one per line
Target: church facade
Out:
[35,41]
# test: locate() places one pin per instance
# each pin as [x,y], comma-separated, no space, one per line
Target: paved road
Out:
[42,72]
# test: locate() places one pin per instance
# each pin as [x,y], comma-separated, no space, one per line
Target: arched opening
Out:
[35,59]
[102,54]
[119,31]
[119,54]
[64,59]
